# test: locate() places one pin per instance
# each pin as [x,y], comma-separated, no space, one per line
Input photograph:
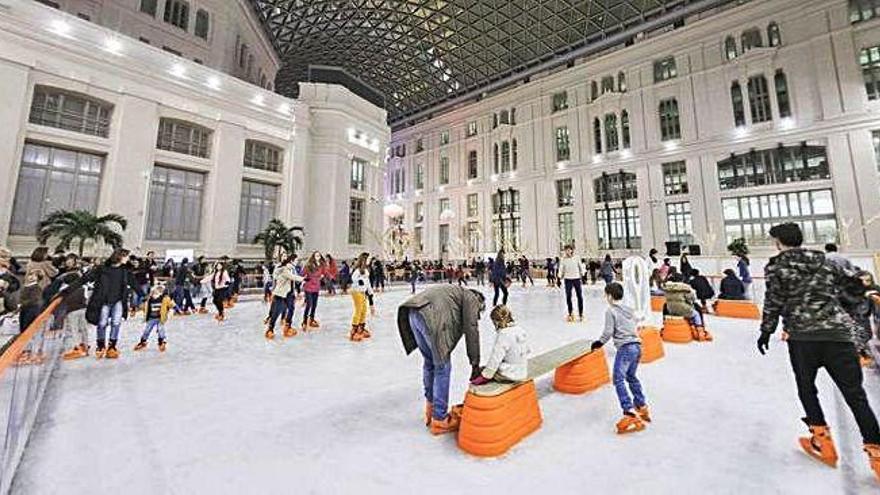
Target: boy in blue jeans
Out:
[620,324]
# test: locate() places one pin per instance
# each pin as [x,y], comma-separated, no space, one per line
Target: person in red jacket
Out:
[331,275]
[313,272]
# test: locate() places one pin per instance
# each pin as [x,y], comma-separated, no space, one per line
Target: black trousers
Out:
[574,285]
[503,288]
[841,361]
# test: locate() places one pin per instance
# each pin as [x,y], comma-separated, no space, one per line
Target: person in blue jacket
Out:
[498,277]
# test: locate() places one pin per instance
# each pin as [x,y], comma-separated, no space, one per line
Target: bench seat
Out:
[737,309]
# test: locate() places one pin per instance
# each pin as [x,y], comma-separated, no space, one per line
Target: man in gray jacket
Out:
[433,322]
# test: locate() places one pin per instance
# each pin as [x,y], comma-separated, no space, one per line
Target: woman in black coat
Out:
[731,287]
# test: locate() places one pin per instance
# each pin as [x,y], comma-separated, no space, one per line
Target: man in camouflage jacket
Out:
[802,288]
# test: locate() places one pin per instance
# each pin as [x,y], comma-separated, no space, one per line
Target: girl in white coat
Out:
[509,360]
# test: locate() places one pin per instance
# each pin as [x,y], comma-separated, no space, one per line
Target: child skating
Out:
[283,298]
[360,292]
[620,324]
[510,353]
[157,308]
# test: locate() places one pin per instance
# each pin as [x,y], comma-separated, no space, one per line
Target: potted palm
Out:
[80,226]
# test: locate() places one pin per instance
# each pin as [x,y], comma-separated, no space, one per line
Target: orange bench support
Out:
[583,374]
[677,330]
[657,303]
[737,309]
[490,426]
[652,344]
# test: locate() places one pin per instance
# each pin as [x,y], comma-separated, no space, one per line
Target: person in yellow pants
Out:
[360,289]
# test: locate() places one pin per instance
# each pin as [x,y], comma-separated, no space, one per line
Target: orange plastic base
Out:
[490,426]
[652,344]
[737,309]
[583,374]
[657,303]
[677,331]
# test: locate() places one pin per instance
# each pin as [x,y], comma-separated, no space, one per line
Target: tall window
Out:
[513,152]
[751,38]
[678,217]
[607,84]
[862,10]
[560,101]
[774,38]
[781,165]
[356,221]
[875,138]
[504,117]
[615,187]
[149,7]
[621,82]
[419,212]
[417,240]
[624,129]
[869,59]
[506,222]
[473,170]
[617,225]
[444,205]
[505,203]
[444,238]
[759,99]
[670,127]
[175,204]
[594,90]
[563,150]
[183,137]
[675,179]
[473,204]
[472,129]
[358,171]
[564,195]
[739,109]
[258,202]
[597,135]
[52,179]
[505,156]
[420,145]
[444,138]
[177,13]
[566,229]
[730,50]
[262,156]
[752,216]
[420,176]
[444,170]
[611,140]
[203,24]
[665,69]
[70,111]
[782,100]
[473,237]
[495,157]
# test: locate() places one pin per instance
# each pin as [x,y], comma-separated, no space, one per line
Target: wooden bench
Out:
[737,309]
[496,416]
[657,303]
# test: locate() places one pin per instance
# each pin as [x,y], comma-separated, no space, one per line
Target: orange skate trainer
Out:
[873,451]
[448,424]
[644,414]
[289,331]
[630,423]
[270,334]
[820,445]
[429,411]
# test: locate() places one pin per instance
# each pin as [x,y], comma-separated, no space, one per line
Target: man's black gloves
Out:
[596,345]
[764,343]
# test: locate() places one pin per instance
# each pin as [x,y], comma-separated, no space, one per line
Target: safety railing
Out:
[26,365]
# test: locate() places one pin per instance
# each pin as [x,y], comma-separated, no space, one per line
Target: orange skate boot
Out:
[270,334]
[289,331]
[644,414]
[448,424]
[820,445]
[141,345]
[873,451]
[630,423]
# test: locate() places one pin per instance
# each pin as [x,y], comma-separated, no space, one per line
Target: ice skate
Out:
[141,345]
[79,351]
[162,345]
[289,331]
[865,360]
[112,353]
[448,424]
[355,335]
[644,414]
[100,350]
[820,445]
[314,323]
[701,335]
[873,451]
[364,332]
[581,318]
[270,334]
[630,423]
[429,411]
[203,311]
[569,318]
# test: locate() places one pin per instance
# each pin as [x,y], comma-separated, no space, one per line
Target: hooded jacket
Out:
[804,289]
[620,324]
[450,311]
[679,298]
[510,355]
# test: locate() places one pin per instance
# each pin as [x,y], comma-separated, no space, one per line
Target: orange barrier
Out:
[657,303]
[491,425]
[11,354]
[583,374]
[737,309]
[677,330]
[652,344]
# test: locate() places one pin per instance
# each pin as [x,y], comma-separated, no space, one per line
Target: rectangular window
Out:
[473,237]
[615,187]
[473,204]
[444,170]
[356,221]
[560,101]
[52,179]
[782,99]
[564,195]
[473,171]
[444,138]
[863,10]
[619,228]
[419,212]
[607,84]
[566,229]
[177,13]
[675,180]
[70,111]
[752,216]
[420,145]
[780,165]
[611,139]
[875,138]
[443,204]
[751,38]
[420,176]
[444,238]
[418,246]
[665,69]
[258,203]
[678,217]
[670,127]
[183,137]
[472,129]
[507,233]
[175,204]
[563,151]
[736,100]
[172,51]
[358,171]
[505,156]
[262,156]
[203,24]
[149,7]
[759,99]
[508,202]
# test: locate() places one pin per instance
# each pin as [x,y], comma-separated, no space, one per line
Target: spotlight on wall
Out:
[671,145]
[258,100]
[61,27]
[626,154]
[741,131]
[213,82]
[597,158]
[787,123]
[178,70]
[284,108]
[494,177]
[113,45]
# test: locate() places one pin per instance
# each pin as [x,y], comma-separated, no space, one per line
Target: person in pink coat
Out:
[314,271]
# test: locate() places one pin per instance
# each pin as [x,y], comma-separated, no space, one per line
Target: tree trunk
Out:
[82,245]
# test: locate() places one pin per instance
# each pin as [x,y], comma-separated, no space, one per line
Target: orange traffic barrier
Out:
[677,330]
[737,309]
[491,425]
[583,374]
[652,344]
[657,303]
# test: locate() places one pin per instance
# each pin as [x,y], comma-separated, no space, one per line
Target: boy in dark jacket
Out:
[732,288]
[702,287]
[803,288]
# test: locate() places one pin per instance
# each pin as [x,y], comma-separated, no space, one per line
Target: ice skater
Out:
[433,321]
[283,298]
[620,324]
[361,291]
[509,361]
[315,270]
[157,307]
[220,282]
[572,272]
[803,289]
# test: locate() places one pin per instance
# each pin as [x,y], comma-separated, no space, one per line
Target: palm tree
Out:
[80,225]
[278,235]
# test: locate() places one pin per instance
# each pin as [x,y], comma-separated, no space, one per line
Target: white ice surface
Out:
[225,411]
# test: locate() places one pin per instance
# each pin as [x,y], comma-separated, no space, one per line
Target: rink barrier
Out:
[737,309]
[657,303]
[652,344]
[677,330]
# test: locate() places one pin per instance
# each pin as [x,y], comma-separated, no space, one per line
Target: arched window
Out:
[621,82]
[624,129]
[751,38]
[597,135]
[736,99]
[611,141]
[774,38]
[594,90]
[730,48]
[513,147]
